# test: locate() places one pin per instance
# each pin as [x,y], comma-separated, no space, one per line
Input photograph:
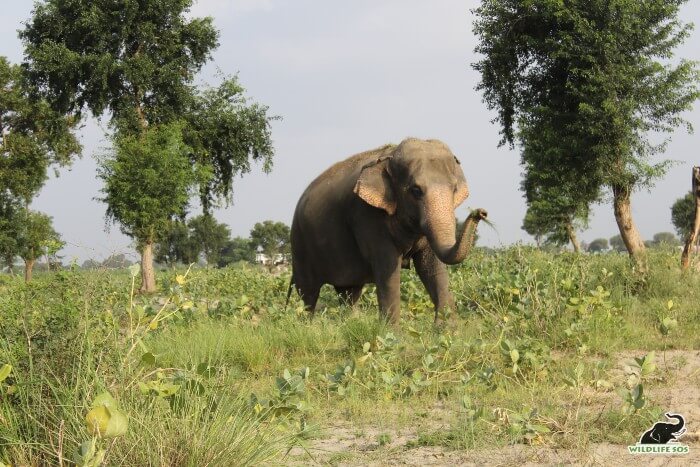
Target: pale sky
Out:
[347,77]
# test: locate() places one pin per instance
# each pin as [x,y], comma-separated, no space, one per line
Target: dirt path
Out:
[345,444]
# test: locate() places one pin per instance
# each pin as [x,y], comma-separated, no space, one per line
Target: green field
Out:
[538,364]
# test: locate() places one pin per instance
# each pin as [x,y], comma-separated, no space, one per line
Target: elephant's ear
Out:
[462,191]
[374,186]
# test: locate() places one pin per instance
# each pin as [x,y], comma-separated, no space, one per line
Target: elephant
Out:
[663,433]
[366,217]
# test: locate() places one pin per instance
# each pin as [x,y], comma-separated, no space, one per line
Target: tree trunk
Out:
[572,237]
[28,266]
[148,276]
[628,231]
[691,240]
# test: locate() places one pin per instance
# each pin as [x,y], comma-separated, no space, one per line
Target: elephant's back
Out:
[335,185]
[348,170]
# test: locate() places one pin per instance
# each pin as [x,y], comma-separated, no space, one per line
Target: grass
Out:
[530,357]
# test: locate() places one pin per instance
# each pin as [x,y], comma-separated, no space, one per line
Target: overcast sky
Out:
[347,77]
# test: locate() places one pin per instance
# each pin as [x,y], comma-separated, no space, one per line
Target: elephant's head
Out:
[421,183]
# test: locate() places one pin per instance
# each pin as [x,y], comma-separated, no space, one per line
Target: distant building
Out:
[279,258]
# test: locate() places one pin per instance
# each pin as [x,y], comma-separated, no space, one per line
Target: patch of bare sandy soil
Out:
[344,444]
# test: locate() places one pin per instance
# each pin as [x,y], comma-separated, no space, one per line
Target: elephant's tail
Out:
[289,292]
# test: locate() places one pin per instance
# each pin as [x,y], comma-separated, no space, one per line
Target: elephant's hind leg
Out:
[349,295]
[309,294]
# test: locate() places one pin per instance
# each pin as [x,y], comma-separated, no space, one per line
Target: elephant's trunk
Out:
[440,228]
[681,422]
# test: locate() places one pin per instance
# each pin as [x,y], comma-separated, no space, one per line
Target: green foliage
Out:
[33,137]
[683,214]
[35,235]
[597,245]
[534,330]
[176,245]
[617,244]
[271,237]
[235,250]
[581,86]
[135,59]
[525,426]
[665,239]
[209,236]
[225,134]
[147,181]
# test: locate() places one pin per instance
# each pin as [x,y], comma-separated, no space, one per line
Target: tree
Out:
[176,245]
[90,264]
[592,74]
[597,245]
[665,238]
[10,223]
[115,261]
[209,236]
[225,133]
[235,250]
[137,59]
[550,223]
[35,234]
[146,183]
[133,58]
[272,238]
[558,200]
[683,214]
[617,244]
[32,137]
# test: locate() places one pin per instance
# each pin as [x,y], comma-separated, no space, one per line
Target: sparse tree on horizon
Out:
[35,235]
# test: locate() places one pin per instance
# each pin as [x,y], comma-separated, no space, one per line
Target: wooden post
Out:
[691,240]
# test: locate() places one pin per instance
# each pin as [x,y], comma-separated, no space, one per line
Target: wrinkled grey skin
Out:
[663,433]
[366,216]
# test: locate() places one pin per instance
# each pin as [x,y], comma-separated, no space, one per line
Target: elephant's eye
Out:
[416,191]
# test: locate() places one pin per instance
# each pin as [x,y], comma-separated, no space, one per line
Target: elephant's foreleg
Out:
[433,274]
[387,276]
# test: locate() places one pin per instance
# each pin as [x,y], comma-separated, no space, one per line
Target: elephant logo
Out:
[665,432]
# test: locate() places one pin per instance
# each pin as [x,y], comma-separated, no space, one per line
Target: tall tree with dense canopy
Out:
[147,182]
[136,60]
[594,73]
